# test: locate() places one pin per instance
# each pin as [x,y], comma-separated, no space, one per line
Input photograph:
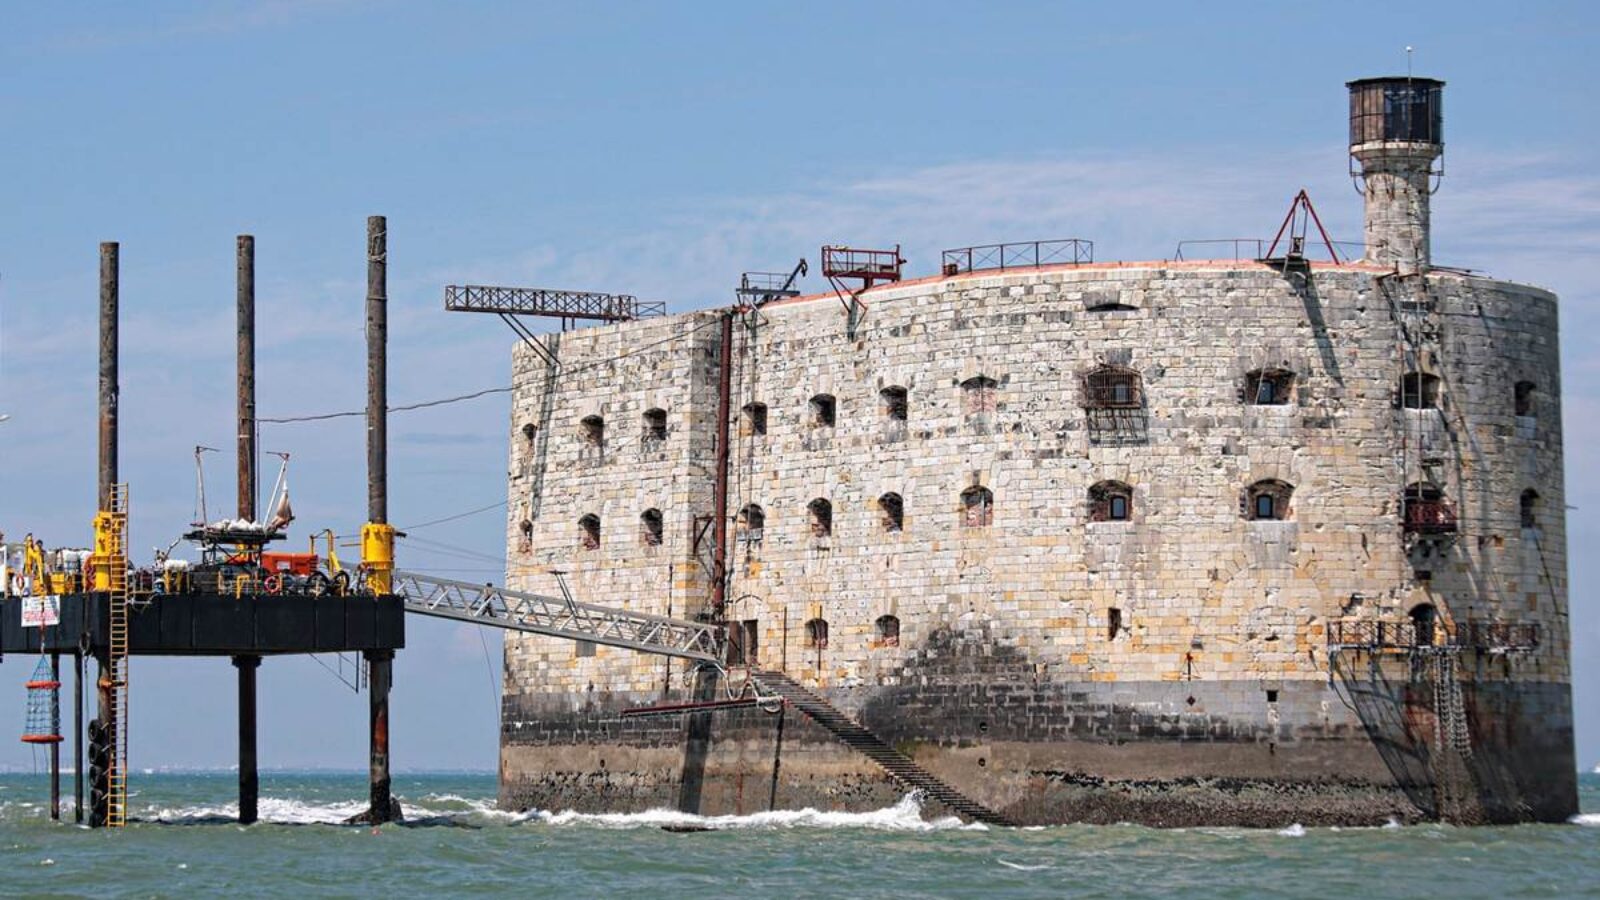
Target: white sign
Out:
[40,611]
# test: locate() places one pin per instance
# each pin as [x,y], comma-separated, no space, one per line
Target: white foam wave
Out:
[1023,867]
[905,815]
[1295,830]
[1590,819]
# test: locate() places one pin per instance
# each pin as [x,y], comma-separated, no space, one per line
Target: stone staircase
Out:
[899,766]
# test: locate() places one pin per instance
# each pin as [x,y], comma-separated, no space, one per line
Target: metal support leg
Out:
[55,748]
[249,779]
[381,664]
[100,732]
[77,737]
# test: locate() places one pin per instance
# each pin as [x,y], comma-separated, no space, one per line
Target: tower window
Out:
[1112,387]
[978,398]
[893,512]
[1424,624]
[817,634]
[752,522]
[1267,500]
[1426,511]
[1530,508]
[1268,387]
[893,402]
[1523,393]
[592,431]
[824,411]
[1110,501]
[1113,623]
[650,528]
[1419,390]
[821,517]
[888,631]
[655,427]
[753,422]
[977,507]
[589,532]
[530,431]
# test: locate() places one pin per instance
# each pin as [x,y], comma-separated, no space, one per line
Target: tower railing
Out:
[1024,255]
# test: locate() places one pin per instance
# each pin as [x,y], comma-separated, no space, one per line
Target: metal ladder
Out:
[117,655]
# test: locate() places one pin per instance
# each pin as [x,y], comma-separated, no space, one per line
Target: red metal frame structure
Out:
[867,266]
[1301,214]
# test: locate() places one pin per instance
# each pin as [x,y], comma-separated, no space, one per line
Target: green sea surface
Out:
[183,843]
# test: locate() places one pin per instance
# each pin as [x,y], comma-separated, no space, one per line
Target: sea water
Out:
[184,842]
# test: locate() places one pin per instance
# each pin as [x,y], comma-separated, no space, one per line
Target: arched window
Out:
[753,421]
[1267,499]
[1113,387]
[592,432]
[655,427]
[821,517]
[888,631]
[978,396]
[817,634]
[893,512]
[894,405]
[1110,501]
[1419,390]
[589,532]
[752,522]
[824,411]
[977,507]
[1424,624]
[1523,398]
[1268,387]
[1424,510]
[650,528]
[1530,508]
[530,431]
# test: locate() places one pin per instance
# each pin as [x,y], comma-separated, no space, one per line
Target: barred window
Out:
[977,505]
[1419,390]
[1113,387]
[1426,511]
[817,634]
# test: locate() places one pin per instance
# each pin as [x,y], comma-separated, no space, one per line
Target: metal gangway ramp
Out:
[563,617]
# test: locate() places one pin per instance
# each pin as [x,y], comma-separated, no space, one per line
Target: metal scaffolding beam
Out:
[558,617]
[540,302]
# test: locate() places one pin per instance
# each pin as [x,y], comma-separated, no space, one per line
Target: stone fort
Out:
[1273,538]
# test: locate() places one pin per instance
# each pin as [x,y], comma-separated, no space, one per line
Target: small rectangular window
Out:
[1264,506]
[1119,508]
[1272,695]
[1113,623]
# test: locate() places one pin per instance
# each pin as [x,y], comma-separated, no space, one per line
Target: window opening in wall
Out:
[978,399]
[824,411]
[650,528]
[1272,695]
[1426,511]
[1110,501]
[655,427]
[817,634]
[821,517]
[1419,390]
[1523,398]
[1268,387]
[1113,404]
[977,506]
[592,431]
[582,649]
[530,431]
[589,532]
[1268,499]
[1424,624]
[895,402]
[892,511]
[753,422]
[1113,623]
[1530,508]
[888,630]
[1112,387]
[752,523]
[742,643]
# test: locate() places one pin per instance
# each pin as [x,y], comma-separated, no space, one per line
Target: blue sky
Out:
[659,150]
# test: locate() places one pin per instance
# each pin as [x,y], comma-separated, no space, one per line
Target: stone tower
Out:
[1396,139]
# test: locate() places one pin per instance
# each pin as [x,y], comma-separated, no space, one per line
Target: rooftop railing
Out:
[1027,255]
